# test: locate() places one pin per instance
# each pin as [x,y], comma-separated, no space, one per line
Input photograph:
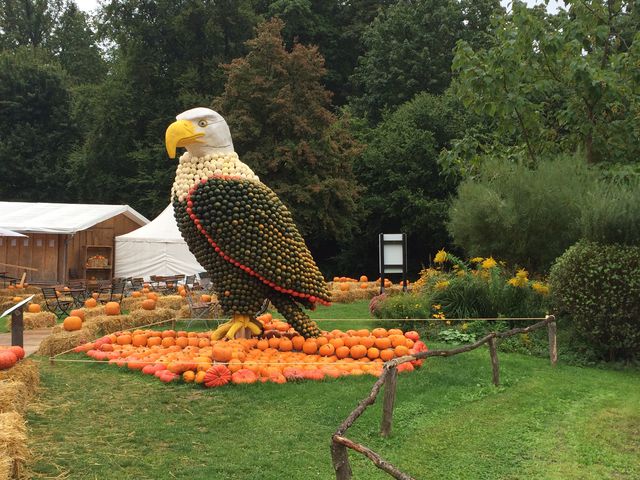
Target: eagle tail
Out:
[296,317]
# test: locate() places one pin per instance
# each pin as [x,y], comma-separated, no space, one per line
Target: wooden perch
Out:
[378,461]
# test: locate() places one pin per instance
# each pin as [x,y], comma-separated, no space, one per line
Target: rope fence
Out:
[340,443]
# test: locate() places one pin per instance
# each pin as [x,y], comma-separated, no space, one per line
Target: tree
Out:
[336,27]
[405,191]
[27,22]
[554,83]
[35,128]
[73,43]
[409,49]
[278,112]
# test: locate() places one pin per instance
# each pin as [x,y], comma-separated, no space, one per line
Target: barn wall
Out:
[46,252]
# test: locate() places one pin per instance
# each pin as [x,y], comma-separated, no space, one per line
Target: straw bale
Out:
[104,324]
[131,303]
[184,312]
[62,341]
[13,396]
[36,320]
[6,466]
[13,442]
[174,302]
[138,318]
[25,371]
[93,312]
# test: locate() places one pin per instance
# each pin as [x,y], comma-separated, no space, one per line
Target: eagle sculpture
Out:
[239,230]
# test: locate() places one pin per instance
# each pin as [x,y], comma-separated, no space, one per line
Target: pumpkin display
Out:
[193,357]
[7,359]
[34,308]
[149,304]
[217,376]
[72,323]
[112,308]
[18,351]
[91,303]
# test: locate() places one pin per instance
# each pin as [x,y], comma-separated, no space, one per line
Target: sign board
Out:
[392,256]
[17,305]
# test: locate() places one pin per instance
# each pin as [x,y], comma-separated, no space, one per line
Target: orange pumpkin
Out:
[310,347]
[139,340]
[189,376]
[244,375]
[373,353]
[77,313]
[222,353]
[387,354]
[95,295]
[364,278]
[91,303]
[34,308]
[345,287]
[18,351]
[217,376]
[16,299]
[205,298]
[7,359]
[327,350]
[72,323]
[358,351]
[342,352]
[149,304]
[112,308]
[152,296]
[136,294]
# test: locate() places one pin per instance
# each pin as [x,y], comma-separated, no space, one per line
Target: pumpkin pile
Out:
[281,356]
[9,356]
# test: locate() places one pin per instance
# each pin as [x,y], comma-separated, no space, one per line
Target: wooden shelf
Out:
[93,274]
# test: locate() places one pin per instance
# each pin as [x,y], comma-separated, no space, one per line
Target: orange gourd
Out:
[91,303]
[205,298]
[244,375]
[364,278]
[358,351]
[189,376]
[34,308]
[217,376]
[310,347]
[72,323]
[222,353]
[18,351]
[112,308]
[149,304]
[136,294]
[7,359]
[77,313]
[327,350]
[152,296]
[139,340]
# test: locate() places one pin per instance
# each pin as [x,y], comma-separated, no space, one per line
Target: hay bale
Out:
[93,312]
[13,396]
[13,442]
[131,303]
[184,312]
[25,371]
[104,324]
[6,466]
[139,318]
[63,341]
[33,321]
[174,302]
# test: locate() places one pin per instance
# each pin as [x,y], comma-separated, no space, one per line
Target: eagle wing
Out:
[248,226]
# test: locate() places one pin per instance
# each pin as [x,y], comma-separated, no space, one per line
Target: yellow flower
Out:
[518,281]
[464,326]
[442,284]
[522,273]
[489,263]
[476,259]
[461,273]
[541,288]
[436,307]
[440,257]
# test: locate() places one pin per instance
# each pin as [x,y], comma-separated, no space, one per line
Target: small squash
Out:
[217,376]
[244,375]
[18,351]
[112,308]
[149,304]
[34,308]
[72,323]
[7,359]
[91,303]
[77,313]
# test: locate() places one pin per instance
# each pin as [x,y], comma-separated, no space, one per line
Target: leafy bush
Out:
[598,287]
[527,216]
[611,213]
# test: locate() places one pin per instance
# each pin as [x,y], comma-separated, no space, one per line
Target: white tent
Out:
[155,249]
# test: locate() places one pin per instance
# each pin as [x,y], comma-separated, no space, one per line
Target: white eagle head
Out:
[201,131]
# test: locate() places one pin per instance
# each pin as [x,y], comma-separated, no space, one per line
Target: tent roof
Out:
[60,218]
[163,228]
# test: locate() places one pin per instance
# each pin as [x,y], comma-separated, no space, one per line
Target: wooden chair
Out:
[56,305]
[114,292]
[199,310]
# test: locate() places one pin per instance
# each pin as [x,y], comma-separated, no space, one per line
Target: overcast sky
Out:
[88,5]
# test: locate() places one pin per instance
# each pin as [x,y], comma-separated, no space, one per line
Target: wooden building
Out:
[65,241]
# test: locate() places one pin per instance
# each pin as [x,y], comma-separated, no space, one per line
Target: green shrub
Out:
[523,215]
[598,287]
[611,213]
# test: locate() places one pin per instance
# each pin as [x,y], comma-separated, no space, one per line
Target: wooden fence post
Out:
[495,365]
[340,458]
[389,400]
[17,327]
[553,343]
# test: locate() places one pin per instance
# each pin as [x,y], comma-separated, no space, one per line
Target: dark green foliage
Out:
[611,213]
[559,82]
[35,127]
[278,113]
[598,287]
[27,22]
[404,189]
[528,216]
[409,49]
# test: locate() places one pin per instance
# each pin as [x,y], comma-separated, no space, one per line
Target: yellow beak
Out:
[180,134]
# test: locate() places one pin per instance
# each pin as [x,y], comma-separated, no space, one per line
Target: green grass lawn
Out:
[96,421]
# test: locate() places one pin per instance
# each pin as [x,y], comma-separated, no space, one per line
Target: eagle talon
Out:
[237,324]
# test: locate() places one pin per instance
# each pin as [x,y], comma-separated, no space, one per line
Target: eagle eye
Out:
[202,123]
